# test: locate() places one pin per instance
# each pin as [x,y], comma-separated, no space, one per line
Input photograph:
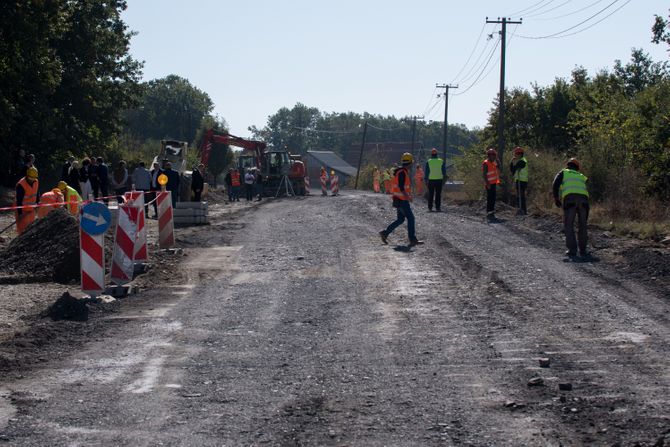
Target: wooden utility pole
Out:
[501,96]
[360,157]
[445,135]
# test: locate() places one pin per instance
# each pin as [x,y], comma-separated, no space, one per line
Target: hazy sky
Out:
[384,57]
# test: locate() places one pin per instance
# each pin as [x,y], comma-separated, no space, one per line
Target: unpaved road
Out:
[296,326]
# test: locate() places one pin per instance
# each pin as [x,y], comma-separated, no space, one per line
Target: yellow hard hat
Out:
[62,185]
[407,158]
[31,173]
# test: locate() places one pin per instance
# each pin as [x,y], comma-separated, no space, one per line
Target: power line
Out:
[535,10]
[476,81]
[386,130]
[477,65]
[573,12]
[481,32]
[306,129]
[523,11]
[432,95]
[561,34]
[546,11]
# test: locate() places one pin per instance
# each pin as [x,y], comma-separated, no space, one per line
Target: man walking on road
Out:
[401,190]
[570,192]
[436,170]
[491,173]
[519,168]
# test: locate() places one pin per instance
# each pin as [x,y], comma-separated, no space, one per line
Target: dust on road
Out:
[294,325]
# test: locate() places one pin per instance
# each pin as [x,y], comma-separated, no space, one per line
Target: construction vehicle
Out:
[175,152]
[273,164]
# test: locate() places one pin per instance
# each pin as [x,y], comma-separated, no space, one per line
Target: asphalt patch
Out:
[68,307]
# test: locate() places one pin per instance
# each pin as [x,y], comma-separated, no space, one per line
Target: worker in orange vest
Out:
[387,176]
[418,181]
[376,177]
[491,175]
[53,197]
[71,197]
[26,195]
[236,183]
[401,188]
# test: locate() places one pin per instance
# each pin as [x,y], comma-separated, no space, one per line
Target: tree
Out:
[65,74]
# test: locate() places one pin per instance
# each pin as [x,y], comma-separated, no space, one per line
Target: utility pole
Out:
[414,118]
[501,96]
[446,88]
[360,157]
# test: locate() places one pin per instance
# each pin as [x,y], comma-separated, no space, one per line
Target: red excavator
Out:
[273,164]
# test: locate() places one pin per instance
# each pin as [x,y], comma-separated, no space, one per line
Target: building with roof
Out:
[332,162]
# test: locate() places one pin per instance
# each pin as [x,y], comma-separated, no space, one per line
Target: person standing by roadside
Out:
[26,195]
[84,178]
[249,185]
[419,179]
[401,189]
[570,193]
[198,182]
[259,185]
[236,183]
[93,178]
[120,181]
[155,187]
[229,184]
[142,182]
[519,168]
[103,178]
[436,170]
[491,173]
[386,178]
[65,170]
[173,181]
[73,177]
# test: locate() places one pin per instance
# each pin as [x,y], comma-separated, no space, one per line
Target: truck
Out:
[274,165]
[175,152]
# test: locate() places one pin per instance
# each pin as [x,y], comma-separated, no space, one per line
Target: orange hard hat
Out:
[518,150]
[573,161]
[491,151]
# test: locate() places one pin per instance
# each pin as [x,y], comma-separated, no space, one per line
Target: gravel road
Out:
[294,325]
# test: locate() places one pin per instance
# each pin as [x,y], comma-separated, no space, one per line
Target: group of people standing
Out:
[569,191]
[252,181]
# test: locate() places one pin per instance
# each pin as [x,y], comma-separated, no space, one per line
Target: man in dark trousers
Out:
[155,172]
[172,183]
[103,177]
[519,168]
[435,173]
[570,192]
[198,182]
[491,173]
[65,170]
[401,190]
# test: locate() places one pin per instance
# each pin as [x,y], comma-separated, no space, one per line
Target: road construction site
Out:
[288,322]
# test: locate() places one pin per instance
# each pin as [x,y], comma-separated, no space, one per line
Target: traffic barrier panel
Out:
[334,185]
[136,199]
[165,219]
[307,185]
[92,261]
[324,188]
[124,246]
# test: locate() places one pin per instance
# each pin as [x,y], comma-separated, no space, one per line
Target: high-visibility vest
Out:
[29,193]
[395,187]
[521,175]
[574,182]
[492,175]
[50,197]
[435,166]
[386,176]
[72,198]
[235,179]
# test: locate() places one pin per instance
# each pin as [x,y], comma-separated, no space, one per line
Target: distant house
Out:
[332,162]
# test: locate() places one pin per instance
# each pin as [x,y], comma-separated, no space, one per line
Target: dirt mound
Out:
[47,251]
[68,307]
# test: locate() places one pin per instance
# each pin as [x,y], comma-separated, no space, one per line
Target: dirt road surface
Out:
[291,324]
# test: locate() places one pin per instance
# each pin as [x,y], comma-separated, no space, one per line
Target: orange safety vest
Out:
[29,198]
[235,179]
[395,187]
[492,175]
[51,197]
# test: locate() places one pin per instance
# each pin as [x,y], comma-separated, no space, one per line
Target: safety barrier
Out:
[307,186]
[136,199]
[324,187]
[334,184]
[165,219]
[92,260]
[124,246]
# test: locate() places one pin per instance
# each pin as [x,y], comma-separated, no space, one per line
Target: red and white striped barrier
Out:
[136,199]
[334,185]
[92,261]
[165,220]
[324,187]
[124,246]
[307,185]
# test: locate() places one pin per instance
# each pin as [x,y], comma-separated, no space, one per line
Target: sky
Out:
[379,56]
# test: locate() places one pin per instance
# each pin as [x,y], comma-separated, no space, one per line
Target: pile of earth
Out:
[47,251]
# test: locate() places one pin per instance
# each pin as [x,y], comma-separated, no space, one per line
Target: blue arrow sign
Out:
[95,218]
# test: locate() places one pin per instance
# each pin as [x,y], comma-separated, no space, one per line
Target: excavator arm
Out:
[258,147]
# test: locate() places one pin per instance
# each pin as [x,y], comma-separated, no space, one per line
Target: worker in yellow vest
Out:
[386,177]
[519,168]
[436,170]
[26,196]
[491,173]
[71,197]
[53,198]
[570,193]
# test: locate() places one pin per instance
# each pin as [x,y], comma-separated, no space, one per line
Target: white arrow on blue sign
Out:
[95,218]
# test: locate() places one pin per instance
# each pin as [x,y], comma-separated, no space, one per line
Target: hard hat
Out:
[62,185]
[518,150]
[491,151]
[433,151]
[407,158]
[31,173]
[573,161]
